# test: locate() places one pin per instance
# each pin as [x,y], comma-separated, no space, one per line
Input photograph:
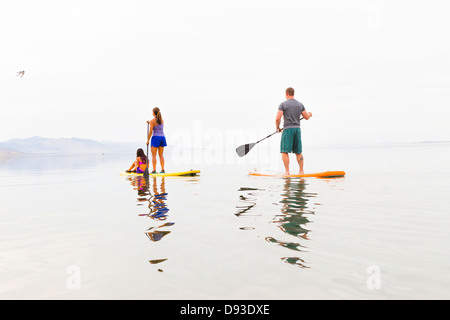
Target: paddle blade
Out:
[244,149]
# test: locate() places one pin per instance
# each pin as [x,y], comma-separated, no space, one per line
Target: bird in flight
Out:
[20,73]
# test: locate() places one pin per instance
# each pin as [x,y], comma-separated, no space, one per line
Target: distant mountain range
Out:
[39,145]
[76,146]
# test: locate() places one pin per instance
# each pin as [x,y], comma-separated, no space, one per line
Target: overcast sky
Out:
[369,71]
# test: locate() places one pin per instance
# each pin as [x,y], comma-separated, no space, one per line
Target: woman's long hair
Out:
[140,153]
[157,113]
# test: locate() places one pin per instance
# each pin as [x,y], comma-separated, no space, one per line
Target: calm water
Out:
[73,228]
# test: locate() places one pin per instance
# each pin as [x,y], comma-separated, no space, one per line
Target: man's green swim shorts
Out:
[291,141]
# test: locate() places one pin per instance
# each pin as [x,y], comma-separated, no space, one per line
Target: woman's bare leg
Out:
[154,150]
[161,157]
[133,166]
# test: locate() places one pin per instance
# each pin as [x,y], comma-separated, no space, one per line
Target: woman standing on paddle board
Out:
[291,139]
[158,142]
[140,164]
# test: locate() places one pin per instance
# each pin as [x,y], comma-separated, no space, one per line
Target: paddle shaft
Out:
[267,137]
[245,148]
[271,134]
[146,168]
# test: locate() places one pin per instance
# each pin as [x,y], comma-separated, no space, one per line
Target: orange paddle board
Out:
[326,174]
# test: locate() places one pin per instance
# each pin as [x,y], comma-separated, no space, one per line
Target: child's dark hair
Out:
[157,113]
[140,153]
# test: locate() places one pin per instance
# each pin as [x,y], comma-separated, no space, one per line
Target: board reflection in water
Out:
[291,217]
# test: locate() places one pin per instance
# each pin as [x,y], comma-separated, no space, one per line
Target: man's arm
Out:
[306,115]
[278,119]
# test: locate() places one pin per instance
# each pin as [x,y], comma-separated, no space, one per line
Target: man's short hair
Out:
[290,91]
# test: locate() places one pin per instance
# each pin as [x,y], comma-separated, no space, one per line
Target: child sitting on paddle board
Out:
[158,142]
[140,164]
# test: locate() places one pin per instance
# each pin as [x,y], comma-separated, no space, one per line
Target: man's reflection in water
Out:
[293,218]
[156,204]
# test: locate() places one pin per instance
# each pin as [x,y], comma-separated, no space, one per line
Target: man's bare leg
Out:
[300,162]
[285,158]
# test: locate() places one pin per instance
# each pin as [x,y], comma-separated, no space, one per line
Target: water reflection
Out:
[157,205]
[292,218]
[248,201]
[140,185]
[51,163]
[152,192]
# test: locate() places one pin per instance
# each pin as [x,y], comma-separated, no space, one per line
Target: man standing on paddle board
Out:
[291,139]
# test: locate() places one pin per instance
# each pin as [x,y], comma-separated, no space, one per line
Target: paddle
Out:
[146,168]
[245,148]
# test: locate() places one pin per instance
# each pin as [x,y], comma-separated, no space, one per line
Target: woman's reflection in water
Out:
[139,184]
[156,204]
[293,218]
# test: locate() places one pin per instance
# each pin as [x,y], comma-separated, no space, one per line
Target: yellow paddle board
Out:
[167,174]
[326,174]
